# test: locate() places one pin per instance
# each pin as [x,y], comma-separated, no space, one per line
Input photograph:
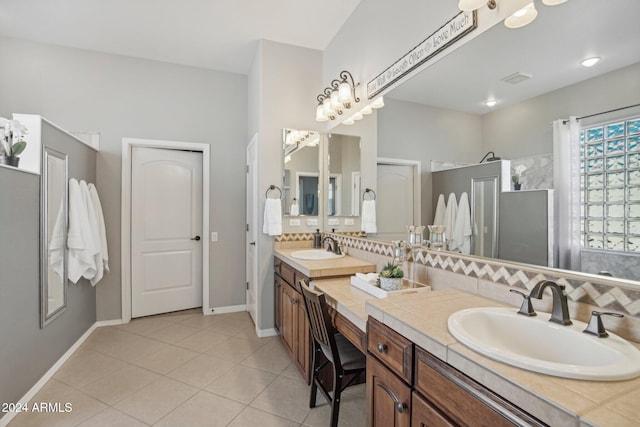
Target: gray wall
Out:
[120,97]
[28,352]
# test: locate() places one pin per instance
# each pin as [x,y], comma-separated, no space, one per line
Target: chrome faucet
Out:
[333,245]
[560,310]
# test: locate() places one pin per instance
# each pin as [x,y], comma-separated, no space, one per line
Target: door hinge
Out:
[247,285]
[247,227]
[247,168]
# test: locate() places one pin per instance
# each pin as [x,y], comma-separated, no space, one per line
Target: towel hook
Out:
[273,187]
[368,190]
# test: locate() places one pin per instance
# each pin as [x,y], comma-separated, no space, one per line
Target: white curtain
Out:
[566,183]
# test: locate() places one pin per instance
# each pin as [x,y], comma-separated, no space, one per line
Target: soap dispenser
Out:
[317,239]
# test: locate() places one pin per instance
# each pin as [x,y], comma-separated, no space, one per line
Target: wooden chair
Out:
[346,359]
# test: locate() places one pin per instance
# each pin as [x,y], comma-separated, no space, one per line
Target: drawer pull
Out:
[382,347]
[294,301]
[401,407]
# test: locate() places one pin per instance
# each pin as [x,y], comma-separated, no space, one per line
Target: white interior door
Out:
[166,230]
[252,226]
[395,186]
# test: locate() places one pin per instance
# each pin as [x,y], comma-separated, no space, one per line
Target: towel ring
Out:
[273,187]
[368,190]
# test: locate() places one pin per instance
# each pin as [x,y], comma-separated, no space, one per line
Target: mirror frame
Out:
[47,317]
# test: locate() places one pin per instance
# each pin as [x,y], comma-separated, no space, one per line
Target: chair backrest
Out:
[322,329]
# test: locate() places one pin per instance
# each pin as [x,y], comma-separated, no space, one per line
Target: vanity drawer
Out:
[288,274]
[276,265]
[391,348]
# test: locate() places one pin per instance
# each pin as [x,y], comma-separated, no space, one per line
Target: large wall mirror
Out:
[439,116]
[344,178]
[301,173]
[53,235]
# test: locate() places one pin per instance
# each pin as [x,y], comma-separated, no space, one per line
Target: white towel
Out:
[450,216]
[272,217]
[102,259]
[368,217]
[368,277]
[57,244]
[295,210]
[461,233]
[80,238]
[438,218]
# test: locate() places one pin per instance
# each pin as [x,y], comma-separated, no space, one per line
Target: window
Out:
[610,186]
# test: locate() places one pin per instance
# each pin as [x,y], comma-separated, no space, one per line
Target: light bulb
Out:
[366,110]
[378,103]
[522,17]
[590,62]
[335,104]
[348,121]
[490,102]
[469,5]
[344,93]
[357,116]
[320,115]
[326,106]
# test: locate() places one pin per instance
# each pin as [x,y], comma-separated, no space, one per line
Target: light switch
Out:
[214,236]
[294,222]
[312,221]
[349,221]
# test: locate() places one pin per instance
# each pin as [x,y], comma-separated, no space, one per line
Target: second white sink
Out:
[535,344]
[315,255]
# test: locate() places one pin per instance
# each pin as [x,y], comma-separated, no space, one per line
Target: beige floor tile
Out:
[352,413]
[86,366]
[112,418]
[232,327]
[198,321]
[203,409]
[201,370]
[286,398]
[166,360]
[249,417]
[69,410]
[271,357]
[241,384]
[120,384]
[173,333]
[293,372]
[202,341]
[145,325]
[51,391]
[130,347]
[156,399]
[234,349]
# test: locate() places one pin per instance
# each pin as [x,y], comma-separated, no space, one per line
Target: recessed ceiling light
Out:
[490,102]
[590,62]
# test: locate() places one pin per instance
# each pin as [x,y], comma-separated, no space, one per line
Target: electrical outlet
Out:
[349,221]
[294,222]
[312,221]
[334,221]
[214,236]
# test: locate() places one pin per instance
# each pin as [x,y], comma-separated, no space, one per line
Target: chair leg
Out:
[335,402]
[314,375]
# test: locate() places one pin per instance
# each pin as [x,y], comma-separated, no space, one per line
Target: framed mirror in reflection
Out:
[343,187]
[301,172]
[439,116]
[53,235]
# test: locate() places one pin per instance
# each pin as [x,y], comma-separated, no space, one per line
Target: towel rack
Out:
[273,187]
[368,190]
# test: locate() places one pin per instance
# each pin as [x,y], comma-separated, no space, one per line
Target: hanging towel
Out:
[438,218]
[450,216]
[57,244]
[295,211]
[102,259]
[461,233]
[272,217]
[368,217]
[82,247]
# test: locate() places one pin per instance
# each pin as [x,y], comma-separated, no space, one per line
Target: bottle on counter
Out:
[317,239]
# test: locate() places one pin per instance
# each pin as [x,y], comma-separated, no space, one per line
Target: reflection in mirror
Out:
[53,223]
[301,172]
[343,191]
[484,216]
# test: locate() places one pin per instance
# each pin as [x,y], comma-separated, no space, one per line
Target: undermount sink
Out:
[315,255]
[535,344]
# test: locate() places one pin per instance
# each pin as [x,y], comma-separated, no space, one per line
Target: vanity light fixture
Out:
[348,121]
[522,17]
[378,103]
[469,5]
[490,102]
[337,97]
[359,115]
[553,2]
[367,110]
[590,62]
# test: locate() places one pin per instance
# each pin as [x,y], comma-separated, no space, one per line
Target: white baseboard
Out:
[227,309]
[262,333]
[113,322]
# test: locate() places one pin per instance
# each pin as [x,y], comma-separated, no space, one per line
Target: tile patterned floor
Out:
[185,369]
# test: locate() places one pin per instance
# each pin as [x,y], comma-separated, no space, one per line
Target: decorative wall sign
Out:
[459,26]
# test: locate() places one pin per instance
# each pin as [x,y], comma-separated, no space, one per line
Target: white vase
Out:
[390,283]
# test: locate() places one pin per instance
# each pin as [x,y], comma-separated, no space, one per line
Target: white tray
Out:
[363,285]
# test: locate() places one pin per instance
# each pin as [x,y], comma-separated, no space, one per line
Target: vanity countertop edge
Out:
[346,265]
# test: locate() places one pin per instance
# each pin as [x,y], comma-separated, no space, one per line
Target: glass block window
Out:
[610,186]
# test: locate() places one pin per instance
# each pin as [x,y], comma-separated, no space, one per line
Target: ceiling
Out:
[549,49]
[214,34]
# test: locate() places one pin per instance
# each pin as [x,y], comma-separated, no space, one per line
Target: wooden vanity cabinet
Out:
[408,386]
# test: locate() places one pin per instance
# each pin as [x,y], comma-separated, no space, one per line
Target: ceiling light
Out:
[366,110]
[553,2]
[590,62]
[357,116]
[469,5]
[378,103]
[337,97]
[348,121]
[522,17]
[490,102]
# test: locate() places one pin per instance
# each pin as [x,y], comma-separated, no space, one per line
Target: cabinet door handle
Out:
[401,407]
[294,301]
[382,347]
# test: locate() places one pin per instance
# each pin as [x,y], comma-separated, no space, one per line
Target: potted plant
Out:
[391,277]
[515,178]
[12,143]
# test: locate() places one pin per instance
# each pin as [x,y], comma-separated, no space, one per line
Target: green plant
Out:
[515,179]
[391,270]
[11,130]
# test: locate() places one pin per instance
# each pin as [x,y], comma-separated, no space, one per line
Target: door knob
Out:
[196,238]
[252,243]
